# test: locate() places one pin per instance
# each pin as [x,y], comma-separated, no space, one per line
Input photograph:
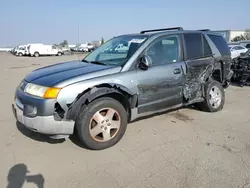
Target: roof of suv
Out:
[177,30]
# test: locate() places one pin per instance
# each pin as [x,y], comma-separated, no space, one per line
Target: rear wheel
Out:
[102,123]
[59,53]
[36,54]
[214,97]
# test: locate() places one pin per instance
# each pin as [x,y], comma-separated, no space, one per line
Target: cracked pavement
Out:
[182,148]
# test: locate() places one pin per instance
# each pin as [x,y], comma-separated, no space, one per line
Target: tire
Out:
[59,54]
[36,54]
[213,88]
[96,111]
[20,54]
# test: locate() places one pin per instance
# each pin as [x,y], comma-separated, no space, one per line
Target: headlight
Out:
[41,91]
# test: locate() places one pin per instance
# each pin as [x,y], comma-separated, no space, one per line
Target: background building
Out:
[229,35]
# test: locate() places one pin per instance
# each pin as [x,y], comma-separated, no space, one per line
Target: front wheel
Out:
[102,123]
[59,53]
[214,97]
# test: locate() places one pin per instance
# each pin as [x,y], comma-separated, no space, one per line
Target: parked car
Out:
[241,68]
[236,50]
[20,51]
[17,48]
[96,97]
[246,54]
[245,44]
[12,51]
[43,50]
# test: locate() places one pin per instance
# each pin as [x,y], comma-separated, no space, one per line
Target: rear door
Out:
[160,86]
[199,60]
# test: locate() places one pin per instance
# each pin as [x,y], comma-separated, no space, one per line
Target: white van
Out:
[43,50]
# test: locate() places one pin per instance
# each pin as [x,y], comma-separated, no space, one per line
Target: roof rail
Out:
[204,30]
[165,29]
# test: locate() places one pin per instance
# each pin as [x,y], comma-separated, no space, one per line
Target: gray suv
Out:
[96,97]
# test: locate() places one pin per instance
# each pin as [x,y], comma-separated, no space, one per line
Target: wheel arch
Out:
[116,91]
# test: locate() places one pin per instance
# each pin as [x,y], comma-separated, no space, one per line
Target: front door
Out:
[160,86]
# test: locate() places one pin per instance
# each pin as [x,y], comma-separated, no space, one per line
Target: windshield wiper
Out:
[85,61]
[94,62]
[97,62]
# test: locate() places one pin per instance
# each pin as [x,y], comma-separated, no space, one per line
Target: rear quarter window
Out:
[220,43]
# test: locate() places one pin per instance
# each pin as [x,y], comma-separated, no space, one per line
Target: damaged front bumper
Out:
[38,115]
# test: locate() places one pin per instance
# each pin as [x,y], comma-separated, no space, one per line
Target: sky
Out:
[52,21]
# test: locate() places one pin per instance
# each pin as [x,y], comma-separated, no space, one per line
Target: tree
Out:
[64,43]
[238,38]
[247,34]
[102,41]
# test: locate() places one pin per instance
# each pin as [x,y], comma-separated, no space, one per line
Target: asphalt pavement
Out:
[183,148]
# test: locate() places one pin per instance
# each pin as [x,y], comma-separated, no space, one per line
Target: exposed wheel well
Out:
[127,100]
[216,75]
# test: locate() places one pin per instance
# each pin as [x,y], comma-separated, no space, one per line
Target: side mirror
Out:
[145,62]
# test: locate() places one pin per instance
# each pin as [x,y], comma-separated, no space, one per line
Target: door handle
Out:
[177,71]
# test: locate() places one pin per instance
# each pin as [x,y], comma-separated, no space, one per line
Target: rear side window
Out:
[193,42]
[206,47]
[220,43]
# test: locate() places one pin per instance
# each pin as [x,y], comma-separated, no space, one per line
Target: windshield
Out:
[117,50]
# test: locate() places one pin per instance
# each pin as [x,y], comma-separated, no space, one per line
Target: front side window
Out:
[117,50]
[164,50]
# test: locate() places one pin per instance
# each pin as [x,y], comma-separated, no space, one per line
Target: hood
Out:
[52,75]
